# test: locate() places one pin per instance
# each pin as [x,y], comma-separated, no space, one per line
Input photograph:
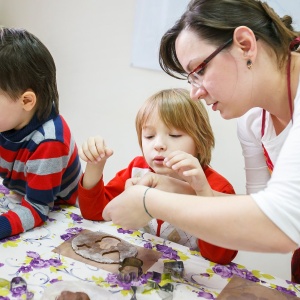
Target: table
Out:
[30,255]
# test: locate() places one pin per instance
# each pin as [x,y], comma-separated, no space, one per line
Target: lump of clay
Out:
[88,245]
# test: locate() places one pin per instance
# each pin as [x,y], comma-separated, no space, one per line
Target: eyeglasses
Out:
[194,77]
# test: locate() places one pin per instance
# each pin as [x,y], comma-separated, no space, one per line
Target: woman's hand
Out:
[127,209]
[161,182]
[132,181]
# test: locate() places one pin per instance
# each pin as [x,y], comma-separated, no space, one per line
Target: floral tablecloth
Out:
[30,255]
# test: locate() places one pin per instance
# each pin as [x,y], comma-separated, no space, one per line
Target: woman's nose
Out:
[197,93]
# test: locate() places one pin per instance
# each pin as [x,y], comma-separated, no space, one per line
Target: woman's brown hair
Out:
[216,20]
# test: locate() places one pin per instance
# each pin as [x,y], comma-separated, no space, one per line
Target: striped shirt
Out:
[40,162]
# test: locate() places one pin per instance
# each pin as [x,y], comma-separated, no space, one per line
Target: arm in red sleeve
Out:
[211,252]
[216,254]
[93,201]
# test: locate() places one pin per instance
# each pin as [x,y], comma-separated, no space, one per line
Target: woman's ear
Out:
[28,100]
[245,39]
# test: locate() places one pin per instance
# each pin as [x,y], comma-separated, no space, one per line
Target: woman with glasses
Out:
[241,58]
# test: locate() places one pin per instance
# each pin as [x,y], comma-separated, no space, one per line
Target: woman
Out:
[245,66]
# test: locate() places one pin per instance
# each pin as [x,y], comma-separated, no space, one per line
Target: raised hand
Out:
[189,169]
[94,150]
[95,153]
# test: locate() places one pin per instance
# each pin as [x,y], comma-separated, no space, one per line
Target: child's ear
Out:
[28,100]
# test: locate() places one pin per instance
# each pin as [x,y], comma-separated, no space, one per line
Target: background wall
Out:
[100,92]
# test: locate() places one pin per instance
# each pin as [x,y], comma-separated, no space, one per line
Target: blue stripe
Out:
[16,185]
[5,228]
[59,129]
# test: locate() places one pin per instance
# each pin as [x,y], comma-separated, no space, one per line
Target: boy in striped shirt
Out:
[38,156]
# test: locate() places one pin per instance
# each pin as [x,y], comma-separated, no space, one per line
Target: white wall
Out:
[100,93]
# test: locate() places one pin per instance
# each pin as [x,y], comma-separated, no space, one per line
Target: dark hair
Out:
[216,20]
[25,63]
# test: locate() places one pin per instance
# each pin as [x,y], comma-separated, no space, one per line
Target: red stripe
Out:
[44,182]
[15,223]
[159,223]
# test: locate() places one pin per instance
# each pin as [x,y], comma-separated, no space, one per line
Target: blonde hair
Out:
[176,109]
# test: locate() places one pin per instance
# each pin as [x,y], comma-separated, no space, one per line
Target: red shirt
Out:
[93,201]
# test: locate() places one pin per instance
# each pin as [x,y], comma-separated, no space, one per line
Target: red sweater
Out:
[93,201]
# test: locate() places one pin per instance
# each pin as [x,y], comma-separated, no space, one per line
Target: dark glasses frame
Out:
[201,66]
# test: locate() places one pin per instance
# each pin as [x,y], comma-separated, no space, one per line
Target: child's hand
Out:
[95,153]
[94,150]
[131,181]
[188,168]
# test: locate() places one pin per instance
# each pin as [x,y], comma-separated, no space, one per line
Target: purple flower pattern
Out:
[227,271]
[205,295]
[25,269]
[76,218]
[35,262]
[4,190]
[167,252]
[11,238]
[114,280]
[121,230]
[285,290]
[38,263]
[71,232]
[148,245]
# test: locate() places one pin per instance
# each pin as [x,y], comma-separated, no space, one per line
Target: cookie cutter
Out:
[18,286]
[130,270]
[174,268]
[171,269]
[156,278]
[165,291]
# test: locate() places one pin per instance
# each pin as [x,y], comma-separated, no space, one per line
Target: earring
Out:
[249,64]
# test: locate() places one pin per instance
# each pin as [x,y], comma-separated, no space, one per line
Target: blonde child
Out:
[168,122]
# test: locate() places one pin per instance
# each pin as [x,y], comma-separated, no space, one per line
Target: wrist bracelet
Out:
[144,200]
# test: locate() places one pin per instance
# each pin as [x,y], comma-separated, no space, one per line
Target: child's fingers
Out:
[171,155]
[108,152]
[94,149]
[97,147]
[174,160]
[86,153]
[190,172]
[82,155]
